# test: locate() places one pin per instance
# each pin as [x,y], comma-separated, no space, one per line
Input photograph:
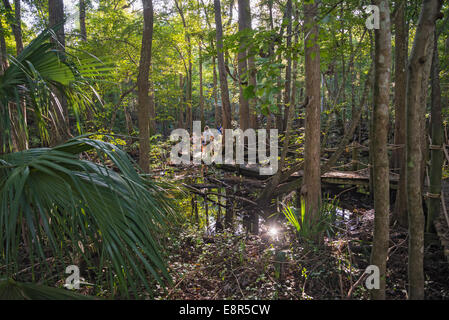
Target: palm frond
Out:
[69,204]
[12,290]
[39,75]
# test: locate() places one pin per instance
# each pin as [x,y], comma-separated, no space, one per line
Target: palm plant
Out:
[54,204]
[57,207]
[34,81]
[307,229]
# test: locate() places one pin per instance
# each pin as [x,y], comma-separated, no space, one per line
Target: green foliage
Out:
[68,207]
[37,77]
[306,229]
[12,290]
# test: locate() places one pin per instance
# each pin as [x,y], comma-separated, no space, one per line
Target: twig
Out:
[361,278]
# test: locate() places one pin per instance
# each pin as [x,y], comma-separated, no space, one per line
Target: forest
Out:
[224,150]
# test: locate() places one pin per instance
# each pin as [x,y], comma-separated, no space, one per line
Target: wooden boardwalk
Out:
[350,178]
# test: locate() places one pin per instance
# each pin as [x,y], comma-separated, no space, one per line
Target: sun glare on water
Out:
[273,232]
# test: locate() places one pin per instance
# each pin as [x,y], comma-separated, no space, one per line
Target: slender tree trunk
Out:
[18,123]
[83,31]
[201,87]
[181,102]
[400,76]
[3,53]
[143,86]
[152,106]
[56,18]
[189,122]
[16,24]
[312,177]
[189,114]
[288,69]
[243,64]
[381,170]
[226,105]
[421,52]
[252,73]
[437,157]
[218,113]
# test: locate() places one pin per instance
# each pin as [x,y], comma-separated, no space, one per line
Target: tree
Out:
[143,85]
[226,104]
[56,18]
[312,178]
[400,121]
[57,21]
[243,64]
[422,51]
[83,32]
[381,171]
[252,71]
[437,157]
[189,114]
[16,22]
[288,69]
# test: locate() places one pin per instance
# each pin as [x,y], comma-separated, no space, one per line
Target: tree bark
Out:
[16,25]
[421,52]
[243,64]
[400,78]
[252,74]
[226,105]
[288,69]
[201,87]
[312,177]
[181,102]
[56,18]
[437,157]
[83,31]
[381,170]
[189,114]
[3,53]
[143,86]
[218,112]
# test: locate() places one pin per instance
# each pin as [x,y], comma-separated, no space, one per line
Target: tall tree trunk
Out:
[252,73]
[226,105]
[83,31]
[201,87]
[181,102]
[16,24]
[400,78]
[218,113]
[18,123]
[152,105]
[3,53]
[421,52]
[243,64]
[143,86]
[437,157]
[381,171]
[312,177]
[189,114]
[288,69]
[56,18]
